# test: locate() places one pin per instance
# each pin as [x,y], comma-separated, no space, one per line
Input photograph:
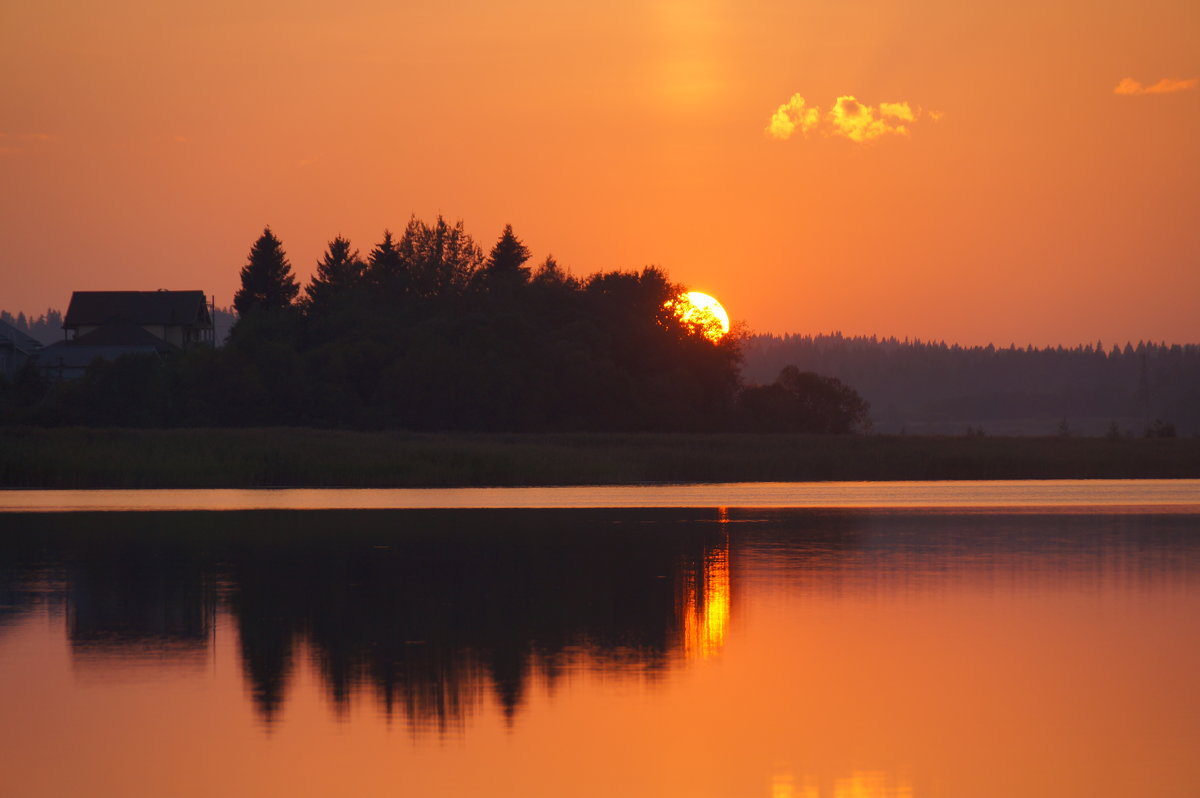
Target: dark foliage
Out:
[803,402]
[505,267]
[267,279]
[427,333]
[339,272]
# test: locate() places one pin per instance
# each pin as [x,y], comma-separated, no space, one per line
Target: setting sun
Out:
[694,307]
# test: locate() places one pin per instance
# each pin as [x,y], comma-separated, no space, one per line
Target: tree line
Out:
[918,386]
[428,331]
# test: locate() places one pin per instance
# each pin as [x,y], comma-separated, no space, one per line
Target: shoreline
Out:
[99,458]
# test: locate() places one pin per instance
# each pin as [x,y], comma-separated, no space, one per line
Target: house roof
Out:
[88,308]
[18,340]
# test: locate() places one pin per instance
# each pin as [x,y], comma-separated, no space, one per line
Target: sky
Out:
[986,172]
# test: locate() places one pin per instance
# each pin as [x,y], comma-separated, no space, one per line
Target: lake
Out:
[917,640]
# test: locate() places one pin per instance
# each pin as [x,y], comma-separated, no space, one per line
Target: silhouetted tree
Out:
[267,279]
[441,258]
[338,272]
[386,268]
[550,273]
[505,266]
[803,402]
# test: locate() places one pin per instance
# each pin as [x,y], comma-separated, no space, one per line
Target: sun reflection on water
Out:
[859,784]
[706,602]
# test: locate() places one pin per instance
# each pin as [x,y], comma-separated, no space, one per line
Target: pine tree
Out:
[506,263]
[339,271]
[386,268]
[267,279]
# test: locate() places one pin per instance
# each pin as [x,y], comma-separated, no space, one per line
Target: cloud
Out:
[793,116]
[859,122]
[897,110]
[848,118]
[1164,86]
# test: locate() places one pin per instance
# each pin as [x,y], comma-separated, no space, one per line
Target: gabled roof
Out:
[88,308]
[19,340]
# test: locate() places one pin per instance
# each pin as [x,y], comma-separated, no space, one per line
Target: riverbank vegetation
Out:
[293,457]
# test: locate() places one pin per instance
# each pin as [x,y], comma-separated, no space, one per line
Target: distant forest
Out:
[927,387]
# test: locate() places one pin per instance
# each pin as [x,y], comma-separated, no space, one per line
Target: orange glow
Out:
[143,150]
[860,784]
[703,311]
[869,784]
[706,607]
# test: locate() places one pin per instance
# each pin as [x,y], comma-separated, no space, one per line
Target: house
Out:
[108,324]
[181,318]
[16,349]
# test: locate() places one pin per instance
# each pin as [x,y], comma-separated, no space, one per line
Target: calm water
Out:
[1059,493]
[805,652]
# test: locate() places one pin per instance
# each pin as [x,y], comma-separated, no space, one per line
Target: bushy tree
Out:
[441,258]
[802,401]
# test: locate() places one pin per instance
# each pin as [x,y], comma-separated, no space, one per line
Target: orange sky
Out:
[145,145]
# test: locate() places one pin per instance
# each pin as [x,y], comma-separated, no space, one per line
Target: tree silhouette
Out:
[339,271]
[505,265]
[549,273]
[803,402]
[442,258]
[386,268]
[267,279]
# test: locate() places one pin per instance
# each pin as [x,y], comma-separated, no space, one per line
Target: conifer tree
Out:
[506,262]
[385,267]
[267,279]
[339,271]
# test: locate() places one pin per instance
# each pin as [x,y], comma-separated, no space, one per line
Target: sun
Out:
[702,310]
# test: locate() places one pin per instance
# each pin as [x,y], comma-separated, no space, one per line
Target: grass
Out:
[289,457]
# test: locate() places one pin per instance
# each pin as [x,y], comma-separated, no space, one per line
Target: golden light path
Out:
[702,310]
[706,606]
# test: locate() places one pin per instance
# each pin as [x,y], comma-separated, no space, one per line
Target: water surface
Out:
[840,652]
[1057,493]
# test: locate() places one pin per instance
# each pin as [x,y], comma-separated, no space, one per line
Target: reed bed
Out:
[292,457]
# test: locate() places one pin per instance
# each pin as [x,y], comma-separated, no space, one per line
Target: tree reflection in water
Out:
[431,612]
[427,611]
